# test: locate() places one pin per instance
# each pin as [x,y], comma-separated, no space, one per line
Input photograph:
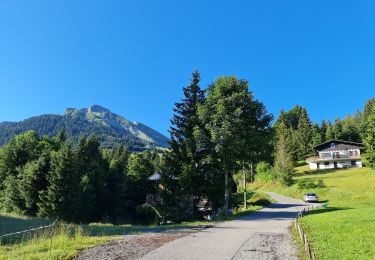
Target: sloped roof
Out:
[338,145]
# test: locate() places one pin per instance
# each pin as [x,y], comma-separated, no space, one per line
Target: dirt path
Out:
[261,235]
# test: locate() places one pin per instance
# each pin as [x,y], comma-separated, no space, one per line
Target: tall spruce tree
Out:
[329,134]
[184,156]
[316,136]
[303,135]
[33,181]
[369,140]
[337,129]
[61,199]
[283,161]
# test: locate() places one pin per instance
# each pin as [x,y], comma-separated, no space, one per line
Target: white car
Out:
[310,197]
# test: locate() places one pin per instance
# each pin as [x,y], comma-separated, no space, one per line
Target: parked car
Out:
[310,197]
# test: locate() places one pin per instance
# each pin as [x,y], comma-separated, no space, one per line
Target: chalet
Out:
[336,154]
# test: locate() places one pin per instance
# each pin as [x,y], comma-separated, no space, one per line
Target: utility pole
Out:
[245,186]
[251,172]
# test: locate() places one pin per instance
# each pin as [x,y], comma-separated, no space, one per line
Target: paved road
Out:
[261,235]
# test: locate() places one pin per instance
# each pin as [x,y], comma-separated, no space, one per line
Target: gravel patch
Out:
[267,246]
[137,245]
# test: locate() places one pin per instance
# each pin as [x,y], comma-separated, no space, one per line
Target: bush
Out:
[286,178]
[308,183]
[264,172]
[146,215]
[259,200]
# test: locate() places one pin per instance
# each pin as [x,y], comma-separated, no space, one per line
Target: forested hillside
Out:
[111,129]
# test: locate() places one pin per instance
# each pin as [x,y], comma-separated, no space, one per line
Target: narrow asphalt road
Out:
[260,235]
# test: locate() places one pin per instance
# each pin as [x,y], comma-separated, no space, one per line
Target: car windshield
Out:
[310,194]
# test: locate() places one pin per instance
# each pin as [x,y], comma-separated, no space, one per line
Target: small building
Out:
[336,154]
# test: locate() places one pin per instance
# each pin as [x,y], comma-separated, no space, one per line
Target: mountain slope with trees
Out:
[111,129]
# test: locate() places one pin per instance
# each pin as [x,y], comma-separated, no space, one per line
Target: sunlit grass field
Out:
[346,229]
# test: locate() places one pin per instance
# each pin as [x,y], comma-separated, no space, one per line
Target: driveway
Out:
[260,235]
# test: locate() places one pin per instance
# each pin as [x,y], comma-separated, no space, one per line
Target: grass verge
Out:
[344,230]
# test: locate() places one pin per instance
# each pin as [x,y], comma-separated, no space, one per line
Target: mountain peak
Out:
[98,109]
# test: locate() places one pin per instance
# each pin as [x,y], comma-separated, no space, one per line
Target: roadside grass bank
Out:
[345,229]
[65,241]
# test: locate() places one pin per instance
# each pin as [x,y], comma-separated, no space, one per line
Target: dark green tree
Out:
[337,129]
[228,109]
[303,135]
[369,140]
[316,136]
[283,161]
[329,134]
[185,157]
[33,181]
[61,199]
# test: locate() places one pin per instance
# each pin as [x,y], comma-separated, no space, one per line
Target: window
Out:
[333,145]
[326,163]
[353,163]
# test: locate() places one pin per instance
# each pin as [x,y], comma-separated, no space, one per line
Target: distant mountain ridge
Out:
[111,129]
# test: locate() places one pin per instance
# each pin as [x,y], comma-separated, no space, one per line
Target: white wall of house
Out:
[331,165]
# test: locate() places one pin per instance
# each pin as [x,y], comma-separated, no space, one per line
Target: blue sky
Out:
[134,57]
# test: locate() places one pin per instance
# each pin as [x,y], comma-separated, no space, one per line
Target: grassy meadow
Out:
[346,229]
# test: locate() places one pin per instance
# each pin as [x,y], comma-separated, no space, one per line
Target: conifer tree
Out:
[303,135]
[33,181]
[184,159]
[369,141]
[61,199]
[337,129]
[283,161]
[316,136]
[329,134]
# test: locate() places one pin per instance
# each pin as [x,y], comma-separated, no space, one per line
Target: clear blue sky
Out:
[134,57]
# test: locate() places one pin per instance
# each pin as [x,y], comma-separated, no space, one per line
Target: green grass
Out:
[346,229]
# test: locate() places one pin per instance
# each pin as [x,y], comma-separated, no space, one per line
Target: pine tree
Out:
[284,162]
[369,141]
[33,181]
[117,179]
[329,134]
[337,129]
[303,135]
[323,130]
[184,159]
[316,136]
[61,199]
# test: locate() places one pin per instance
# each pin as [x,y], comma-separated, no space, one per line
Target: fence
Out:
[34,230]
[309,252]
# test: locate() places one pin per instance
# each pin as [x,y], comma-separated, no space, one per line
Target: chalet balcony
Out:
[339,156]
[333,157]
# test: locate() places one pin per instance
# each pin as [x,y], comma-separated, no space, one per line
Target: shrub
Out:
[146,215]
[308,183]
[265,172]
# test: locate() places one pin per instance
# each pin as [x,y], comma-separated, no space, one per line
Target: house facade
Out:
[336,154]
